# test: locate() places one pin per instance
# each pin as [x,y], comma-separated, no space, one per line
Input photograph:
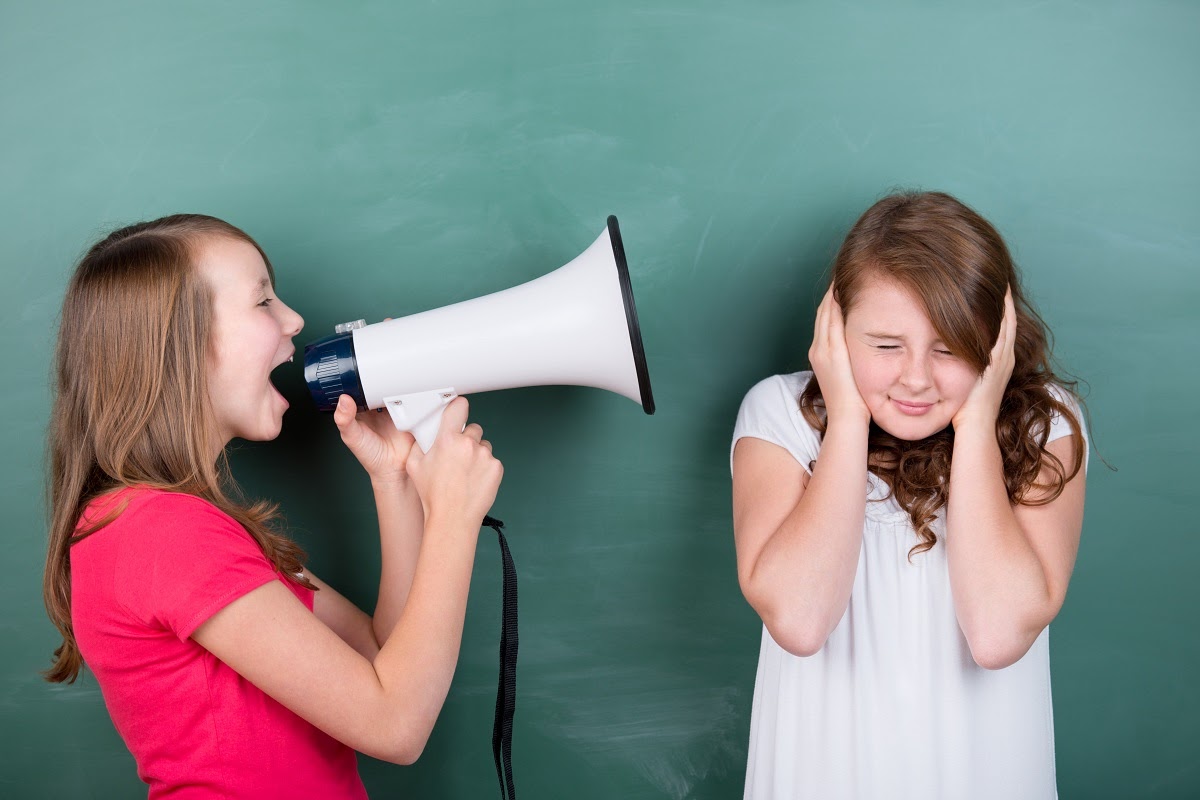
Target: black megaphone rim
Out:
[631,317]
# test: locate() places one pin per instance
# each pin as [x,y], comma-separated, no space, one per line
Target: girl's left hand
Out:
[982,405]
[374,440]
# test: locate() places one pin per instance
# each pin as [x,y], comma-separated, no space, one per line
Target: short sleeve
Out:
[771,412]
[1060,426]
[183,560]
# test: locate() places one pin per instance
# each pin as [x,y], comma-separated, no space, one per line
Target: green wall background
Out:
[394,157]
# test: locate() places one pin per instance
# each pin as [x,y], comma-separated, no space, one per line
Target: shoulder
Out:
[167,559]
[1069,399]
[1061,425]
[174,510]
[179,557]
[153,524]
[778,393]
[771,411]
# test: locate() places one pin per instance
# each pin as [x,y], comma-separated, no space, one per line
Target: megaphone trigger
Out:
[420,413]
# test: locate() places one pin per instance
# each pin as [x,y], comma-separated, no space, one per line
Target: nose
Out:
[915,374]
[293,323]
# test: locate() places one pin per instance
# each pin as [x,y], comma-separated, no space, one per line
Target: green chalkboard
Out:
[395,157]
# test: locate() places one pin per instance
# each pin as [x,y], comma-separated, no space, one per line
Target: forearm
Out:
[416,664]
[801,581]
[401,523]
[1001,596]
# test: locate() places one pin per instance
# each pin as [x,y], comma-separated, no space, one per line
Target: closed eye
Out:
[266,302]
[887,347]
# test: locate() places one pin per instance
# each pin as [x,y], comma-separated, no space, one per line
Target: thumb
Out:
[344,416]
[454,417]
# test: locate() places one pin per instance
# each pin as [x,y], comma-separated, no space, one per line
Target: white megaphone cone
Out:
[576,326]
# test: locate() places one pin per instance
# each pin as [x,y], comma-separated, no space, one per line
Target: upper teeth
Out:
[290,359]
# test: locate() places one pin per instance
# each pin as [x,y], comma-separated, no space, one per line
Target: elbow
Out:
[408,755]
[995,657]
[400,740]
[999,642]
[800,643]
[799,633]
[996,649]
[800,622]
[405,750]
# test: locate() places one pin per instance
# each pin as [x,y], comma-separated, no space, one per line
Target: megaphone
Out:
[576,326]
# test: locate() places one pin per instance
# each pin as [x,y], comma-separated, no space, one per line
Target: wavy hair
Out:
[957,265]
[131,404]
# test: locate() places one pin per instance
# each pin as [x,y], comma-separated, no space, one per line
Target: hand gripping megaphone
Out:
[576,326]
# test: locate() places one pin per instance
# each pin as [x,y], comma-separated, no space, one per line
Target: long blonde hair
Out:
[956,263]
[131,405]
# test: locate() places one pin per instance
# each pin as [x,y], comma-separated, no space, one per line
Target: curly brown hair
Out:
[131,399]
[956,263]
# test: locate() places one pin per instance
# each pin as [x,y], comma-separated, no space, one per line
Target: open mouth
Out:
[271,378]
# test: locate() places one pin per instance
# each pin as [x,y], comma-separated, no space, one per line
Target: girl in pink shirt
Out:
[229,669]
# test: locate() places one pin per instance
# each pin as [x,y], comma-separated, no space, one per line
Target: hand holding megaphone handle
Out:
[420,413]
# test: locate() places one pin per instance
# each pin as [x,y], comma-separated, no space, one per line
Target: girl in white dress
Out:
[907,516]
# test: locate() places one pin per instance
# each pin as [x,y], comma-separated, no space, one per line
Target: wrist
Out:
[843,417]
[456,523]
[391,483]
[974,422]
[976,435]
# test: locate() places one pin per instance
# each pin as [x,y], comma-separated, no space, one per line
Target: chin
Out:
[910,430]
[265,433]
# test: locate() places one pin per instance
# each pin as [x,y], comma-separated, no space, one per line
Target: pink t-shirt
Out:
[139,587]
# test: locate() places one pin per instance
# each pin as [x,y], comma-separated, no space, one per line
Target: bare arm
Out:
[401,524]
[385,707]
[799,538]
[1009,565]
[383,452]
[341,616]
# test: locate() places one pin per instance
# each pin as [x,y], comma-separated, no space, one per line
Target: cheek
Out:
[244,346]
[956,382]
[872,374]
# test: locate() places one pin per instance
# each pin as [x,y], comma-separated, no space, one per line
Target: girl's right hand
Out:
[459,476]
[830,360]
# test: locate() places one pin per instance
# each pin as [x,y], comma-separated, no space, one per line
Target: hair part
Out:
[957,265]
[131,404]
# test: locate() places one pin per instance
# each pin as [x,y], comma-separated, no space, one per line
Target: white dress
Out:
[893,706]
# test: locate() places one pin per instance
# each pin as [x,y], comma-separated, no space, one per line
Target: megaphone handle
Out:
[420,413]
